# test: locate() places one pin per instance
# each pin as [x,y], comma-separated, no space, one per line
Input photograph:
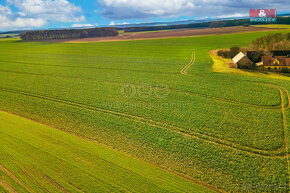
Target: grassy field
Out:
[228,130]
[274,26]
[37,158]
[5,35]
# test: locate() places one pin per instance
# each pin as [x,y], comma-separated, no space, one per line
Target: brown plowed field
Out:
[173,33]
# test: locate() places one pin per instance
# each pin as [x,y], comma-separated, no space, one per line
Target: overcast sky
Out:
[29,14]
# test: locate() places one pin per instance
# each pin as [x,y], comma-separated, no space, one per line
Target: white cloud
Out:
[232,15]
[37,13]
[55,10]
[82,25]
[136,9]
[8,20]
[113,23]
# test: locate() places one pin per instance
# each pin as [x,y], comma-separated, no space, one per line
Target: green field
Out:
[228,130]
[274,26]
[5,35]
[37,158]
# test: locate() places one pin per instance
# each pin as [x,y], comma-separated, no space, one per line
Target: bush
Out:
[229,53]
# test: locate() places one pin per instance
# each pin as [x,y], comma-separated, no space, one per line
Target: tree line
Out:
[273,41]
[212,24]
[68,34]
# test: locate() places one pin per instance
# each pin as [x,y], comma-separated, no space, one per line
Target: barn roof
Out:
[238,57]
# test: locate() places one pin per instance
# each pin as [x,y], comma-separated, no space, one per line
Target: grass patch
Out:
[60,162]
[274,26]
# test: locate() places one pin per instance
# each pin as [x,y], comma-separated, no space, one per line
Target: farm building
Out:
[276,63]
[242,61]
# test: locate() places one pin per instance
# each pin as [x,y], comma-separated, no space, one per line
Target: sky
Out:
[42,14]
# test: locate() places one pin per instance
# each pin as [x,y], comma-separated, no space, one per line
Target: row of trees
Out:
[213,24]
[273,41]
[68,34]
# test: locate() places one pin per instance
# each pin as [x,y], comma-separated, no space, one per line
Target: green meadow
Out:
[227,129]
[274,26]
[38,158]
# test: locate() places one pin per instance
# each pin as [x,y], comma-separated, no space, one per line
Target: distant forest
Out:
[68,34]
[213,24]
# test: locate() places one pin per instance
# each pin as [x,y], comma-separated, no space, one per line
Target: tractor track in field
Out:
[167,89]
[192,61]
[283,107]
[285,131]
[277,153]
[211,187]
[273,153]
[12,176]
[6,186]
[182,131]
[186,67]
[89,67]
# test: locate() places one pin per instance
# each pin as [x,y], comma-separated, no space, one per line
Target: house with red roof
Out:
[276,63]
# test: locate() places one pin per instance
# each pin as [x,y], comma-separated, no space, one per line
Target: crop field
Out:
[60,162]
[157,100]
[274,26]
[125,36]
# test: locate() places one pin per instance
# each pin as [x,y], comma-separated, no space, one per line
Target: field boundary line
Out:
[11,175]
[197,135]
[87,67]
